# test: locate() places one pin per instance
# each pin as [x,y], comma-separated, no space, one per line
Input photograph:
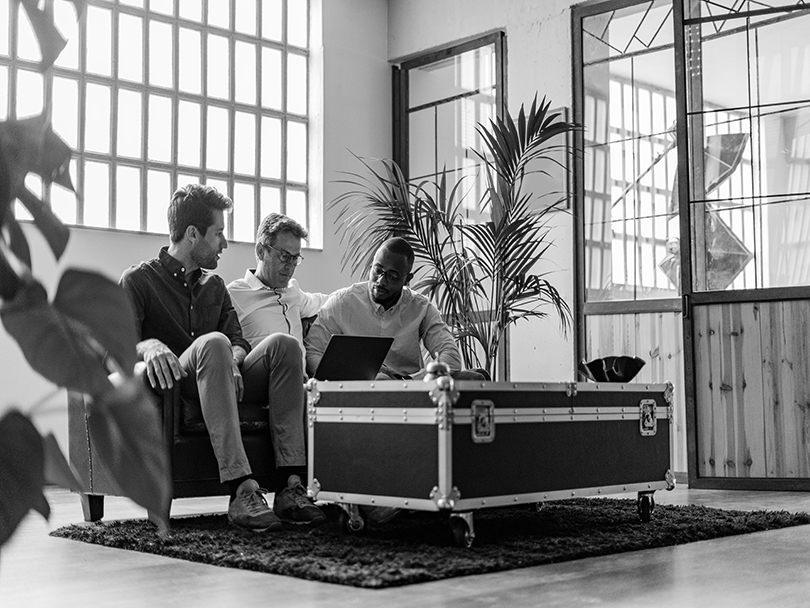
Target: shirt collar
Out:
[255,283]
[175,267]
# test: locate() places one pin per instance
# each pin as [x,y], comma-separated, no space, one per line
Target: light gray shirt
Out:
[413,322]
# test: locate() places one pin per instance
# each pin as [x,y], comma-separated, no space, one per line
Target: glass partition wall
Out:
[626,204]
[693,224]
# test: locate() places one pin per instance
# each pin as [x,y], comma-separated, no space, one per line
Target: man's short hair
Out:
[400,246]
[276,223]
[194,205]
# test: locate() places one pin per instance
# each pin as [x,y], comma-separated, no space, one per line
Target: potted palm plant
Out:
[481,275]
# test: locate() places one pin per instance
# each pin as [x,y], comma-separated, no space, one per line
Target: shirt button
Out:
[185,284]
[191,307]
[182,270]
[192,333]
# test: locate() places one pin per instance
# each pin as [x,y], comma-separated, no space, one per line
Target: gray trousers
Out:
[272,373]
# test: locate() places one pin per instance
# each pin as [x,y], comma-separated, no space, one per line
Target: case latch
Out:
[483,421]
[648,422]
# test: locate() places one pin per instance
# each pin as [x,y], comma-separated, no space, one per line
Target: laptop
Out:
[353,357]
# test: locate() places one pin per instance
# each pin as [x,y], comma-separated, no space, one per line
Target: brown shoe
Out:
[249,509]
[293,505]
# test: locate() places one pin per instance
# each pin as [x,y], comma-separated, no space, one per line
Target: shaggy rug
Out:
[416,546]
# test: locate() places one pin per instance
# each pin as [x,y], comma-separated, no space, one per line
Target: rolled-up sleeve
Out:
[438,340]
[322,330]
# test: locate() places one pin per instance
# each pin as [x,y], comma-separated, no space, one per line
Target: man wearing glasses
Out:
[385,306]
[271,308]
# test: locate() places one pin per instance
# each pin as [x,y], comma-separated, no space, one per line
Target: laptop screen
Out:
[353,357]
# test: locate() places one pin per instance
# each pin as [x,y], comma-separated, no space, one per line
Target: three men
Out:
[190,333]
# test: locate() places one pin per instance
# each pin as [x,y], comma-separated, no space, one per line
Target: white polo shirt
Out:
[264,310]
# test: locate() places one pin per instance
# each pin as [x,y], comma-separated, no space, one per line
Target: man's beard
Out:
[205,257]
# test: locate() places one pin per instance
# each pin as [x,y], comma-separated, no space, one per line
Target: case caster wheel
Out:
[646,504]
[462,535]
[349,524]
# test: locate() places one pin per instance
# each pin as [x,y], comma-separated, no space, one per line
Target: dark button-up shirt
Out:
[175,308]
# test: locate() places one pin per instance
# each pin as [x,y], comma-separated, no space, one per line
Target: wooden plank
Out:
[770,323]
[751,425]
[707,363]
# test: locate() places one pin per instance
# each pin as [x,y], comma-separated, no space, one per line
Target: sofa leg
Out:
[92,507]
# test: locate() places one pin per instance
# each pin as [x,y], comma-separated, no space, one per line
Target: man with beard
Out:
[189,333]
[385,306]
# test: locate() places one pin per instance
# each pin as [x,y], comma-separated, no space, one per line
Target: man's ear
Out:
[408,278]
[259,252]
[192,233]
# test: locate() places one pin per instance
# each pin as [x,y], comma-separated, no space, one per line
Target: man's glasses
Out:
[284,257]
[392,278]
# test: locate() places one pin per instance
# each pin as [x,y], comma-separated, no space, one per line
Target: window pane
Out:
[63,202]
[99,44]
[189,127]
[27,46]
[244,214]
[271,19]
[245,73]
[460,74]
[96,194]
[270,200]
[271,78]
[4,24]
[97,122]
[130,48]
[219,13]
[246,17]
[219,67]
[271,148]
[3,87]
[183,179]
[158,195]
[159,145]
[65,19]
[130,114]
[161,54]
[217,139]
[137,3]
[297,84]
[245,144]
[422,142]
[190,60]
[162,6]
[297,22]
[65,114]
[297,206]
[128,198]
[30,94]
[296,152]
[191,9]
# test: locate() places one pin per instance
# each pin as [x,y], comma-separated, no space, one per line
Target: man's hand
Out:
[237,381]
[162,365]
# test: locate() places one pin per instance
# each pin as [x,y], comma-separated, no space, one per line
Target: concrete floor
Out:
[761,569]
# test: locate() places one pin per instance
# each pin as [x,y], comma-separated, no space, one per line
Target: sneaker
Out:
[292,504]
[249,509]
[379,515]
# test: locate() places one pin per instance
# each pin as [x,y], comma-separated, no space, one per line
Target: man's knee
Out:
[283,348]
[211,349]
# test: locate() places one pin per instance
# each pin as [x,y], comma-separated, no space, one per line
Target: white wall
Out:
[538,41]
[356,90]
